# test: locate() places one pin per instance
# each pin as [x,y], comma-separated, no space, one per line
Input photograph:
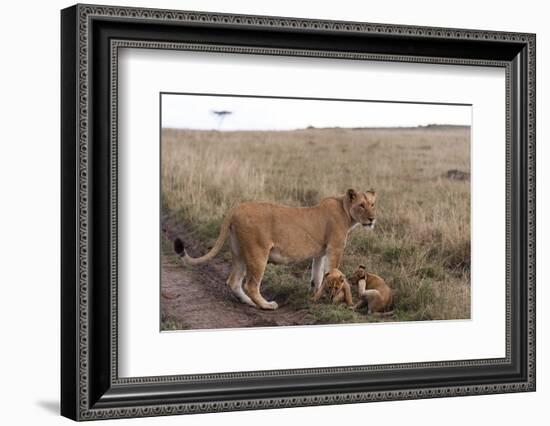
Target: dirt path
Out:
[198,298]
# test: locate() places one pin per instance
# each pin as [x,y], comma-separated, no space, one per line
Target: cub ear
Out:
[362,267]
[326,274]
[352,194]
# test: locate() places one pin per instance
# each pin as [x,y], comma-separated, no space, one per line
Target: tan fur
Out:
[262,232]
[373,292]
[335,287]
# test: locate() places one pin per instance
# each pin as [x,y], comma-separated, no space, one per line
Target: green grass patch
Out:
[396,253]
[430,271]
[326,313]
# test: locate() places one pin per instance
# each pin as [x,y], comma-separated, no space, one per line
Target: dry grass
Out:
[421,244]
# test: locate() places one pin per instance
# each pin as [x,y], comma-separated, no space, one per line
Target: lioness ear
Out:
[351,194]
[326,274]
[373,193]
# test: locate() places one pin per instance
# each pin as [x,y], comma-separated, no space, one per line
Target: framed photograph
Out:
[263,212]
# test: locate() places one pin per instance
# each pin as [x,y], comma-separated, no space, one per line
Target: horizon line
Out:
[419,126]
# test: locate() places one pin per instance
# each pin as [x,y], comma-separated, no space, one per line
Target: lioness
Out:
[336,287]
[373,292]
[262,232]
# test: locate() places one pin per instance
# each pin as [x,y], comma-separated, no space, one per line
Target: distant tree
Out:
[221,116]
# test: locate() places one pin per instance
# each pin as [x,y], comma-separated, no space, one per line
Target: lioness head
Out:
[334,282]
[360,206]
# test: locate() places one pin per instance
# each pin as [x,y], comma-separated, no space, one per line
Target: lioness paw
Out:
[272,305]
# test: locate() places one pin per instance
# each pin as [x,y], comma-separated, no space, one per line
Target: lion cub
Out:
[373,292]
[336,287]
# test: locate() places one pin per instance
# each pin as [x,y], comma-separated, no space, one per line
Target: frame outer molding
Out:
[75,200]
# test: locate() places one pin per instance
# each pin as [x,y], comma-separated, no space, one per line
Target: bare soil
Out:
[197,297]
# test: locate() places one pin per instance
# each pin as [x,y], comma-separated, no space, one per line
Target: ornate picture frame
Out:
[91,37]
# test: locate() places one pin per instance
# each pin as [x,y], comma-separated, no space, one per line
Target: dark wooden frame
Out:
[90,386]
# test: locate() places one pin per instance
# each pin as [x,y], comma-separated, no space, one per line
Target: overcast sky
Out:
[197,112]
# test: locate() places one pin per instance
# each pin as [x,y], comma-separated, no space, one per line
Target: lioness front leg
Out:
[317,272]
[334,256]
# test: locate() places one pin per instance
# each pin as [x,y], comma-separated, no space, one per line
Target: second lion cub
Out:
[373,292]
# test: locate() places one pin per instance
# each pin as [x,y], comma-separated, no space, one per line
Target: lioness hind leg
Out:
[254,274]
[252,287]
[235,281]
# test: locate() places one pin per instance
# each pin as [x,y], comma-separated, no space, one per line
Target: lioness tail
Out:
[179,247]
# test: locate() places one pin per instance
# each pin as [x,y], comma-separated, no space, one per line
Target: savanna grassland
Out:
[421,242]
